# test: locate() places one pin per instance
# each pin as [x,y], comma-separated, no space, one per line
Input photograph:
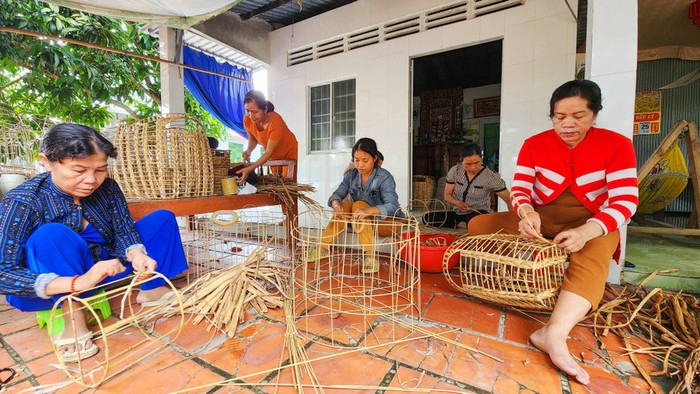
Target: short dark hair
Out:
[259,99]
[380,156]
[469,149]
[76,141]
[369,146]
[584,88]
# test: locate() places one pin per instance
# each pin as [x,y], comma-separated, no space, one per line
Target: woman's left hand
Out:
[570,240]
[142,262]
[575,239]
[360,214]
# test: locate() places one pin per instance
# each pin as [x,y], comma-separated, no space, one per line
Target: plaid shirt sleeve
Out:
[17,222]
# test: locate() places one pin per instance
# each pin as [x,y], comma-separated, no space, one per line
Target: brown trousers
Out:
[384,228]
[588,268]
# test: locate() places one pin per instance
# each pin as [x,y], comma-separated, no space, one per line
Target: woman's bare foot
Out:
[555,346]
[152,295]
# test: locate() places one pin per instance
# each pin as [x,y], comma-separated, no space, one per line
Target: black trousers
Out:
[448,219]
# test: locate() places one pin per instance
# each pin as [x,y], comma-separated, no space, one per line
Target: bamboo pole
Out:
[118,51]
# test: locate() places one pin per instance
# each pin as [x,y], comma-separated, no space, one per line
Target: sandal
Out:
[315,255]
[83,342]
[370,265]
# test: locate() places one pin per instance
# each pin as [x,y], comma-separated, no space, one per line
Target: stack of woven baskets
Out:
[163,157]
[221,163]
[423,187]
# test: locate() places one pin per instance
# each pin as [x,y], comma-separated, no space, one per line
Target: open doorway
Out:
[456,99]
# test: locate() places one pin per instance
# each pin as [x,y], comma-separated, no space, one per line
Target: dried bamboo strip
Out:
[233,381]
[637,364]
[668,322]
[221,297]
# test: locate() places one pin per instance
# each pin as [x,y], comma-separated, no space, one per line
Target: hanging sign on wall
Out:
[647,113]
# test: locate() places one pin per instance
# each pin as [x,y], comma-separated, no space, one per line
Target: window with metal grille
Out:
[332,116]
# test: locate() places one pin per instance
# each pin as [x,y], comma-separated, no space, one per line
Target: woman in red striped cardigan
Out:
[576,184]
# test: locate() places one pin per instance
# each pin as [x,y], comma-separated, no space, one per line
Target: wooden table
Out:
[199,205]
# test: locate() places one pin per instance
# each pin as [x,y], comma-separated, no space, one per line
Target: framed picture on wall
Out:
[487,106]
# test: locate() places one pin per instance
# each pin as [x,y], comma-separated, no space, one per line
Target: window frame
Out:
[332,97]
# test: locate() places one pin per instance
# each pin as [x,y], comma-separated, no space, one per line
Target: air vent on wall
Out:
[453,12]
[363,38]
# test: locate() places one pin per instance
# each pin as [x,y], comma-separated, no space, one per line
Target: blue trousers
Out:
[56,248]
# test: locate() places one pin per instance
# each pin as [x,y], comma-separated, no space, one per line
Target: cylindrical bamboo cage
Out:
[163,157]
[508,270]
[336,285]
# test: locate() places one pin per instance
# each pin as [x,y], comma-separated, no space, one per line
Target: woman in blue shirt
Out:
[69,229]
[372,195]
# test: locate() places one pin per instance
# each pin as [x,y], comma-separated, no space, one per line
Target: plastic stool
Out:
[99,303]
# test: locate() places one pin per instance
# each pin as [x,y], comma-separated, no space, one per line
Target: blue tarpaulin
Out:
[221,97]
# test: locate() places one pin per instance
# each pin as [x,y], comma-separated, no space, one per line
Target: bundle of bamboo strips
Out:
[288,192]
[223,296]
[668,321]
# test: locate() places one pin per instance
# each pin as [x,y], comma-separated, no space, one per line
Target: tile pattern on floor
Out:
[387,357]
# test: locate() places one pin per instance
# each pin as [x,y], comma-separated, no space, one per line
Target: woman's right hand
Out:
[338,211]
[98,272]
[530,225]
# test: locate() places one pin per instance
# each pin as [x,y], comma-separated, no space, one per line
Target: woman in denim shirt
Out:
[372,195]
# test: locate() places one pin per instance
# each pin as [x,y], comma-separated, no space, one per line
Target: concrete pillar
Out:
[611,61]
[172,86]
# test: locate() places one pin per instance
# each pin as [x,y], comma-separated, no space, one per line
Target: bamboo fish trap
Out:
[227,238]
[163,157]
[335,284]
[143,329]
[508,270]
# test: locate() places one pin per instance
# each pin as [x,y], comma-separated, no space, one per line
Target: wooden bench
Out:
[199,205]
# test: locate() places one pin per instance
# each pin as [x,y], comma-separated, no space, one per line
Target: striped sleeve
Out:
[523,179]
[622,190]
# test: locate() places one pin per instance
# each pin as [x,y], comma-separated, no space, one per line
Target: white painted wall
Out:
[538,55]
[611,60]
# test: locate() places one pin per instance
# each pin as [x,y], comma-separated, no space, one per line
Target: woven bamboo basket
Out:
[423,187]
[163,157]
[221,162]
[508,270]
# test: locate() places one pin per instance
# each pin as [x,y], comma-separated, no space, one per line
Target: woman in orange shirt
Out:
[265,126]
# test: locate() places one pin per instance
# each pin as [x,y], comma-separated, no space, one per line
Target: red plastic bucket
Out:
[430,256]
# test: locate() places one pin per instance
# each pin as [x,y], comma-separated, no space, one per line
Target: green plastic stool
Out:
[99,303]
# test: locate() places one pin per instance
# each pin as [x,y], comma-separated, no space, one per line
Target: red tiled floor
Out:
[367,350]
[171,372]
[407,379]
[348,367]
[30,344]
[463,312]
[518,326]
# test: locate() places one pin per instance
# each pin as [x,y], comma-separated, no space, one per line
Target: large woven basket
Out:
[423,187]
[508,270]
[163,157]
[221,162]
